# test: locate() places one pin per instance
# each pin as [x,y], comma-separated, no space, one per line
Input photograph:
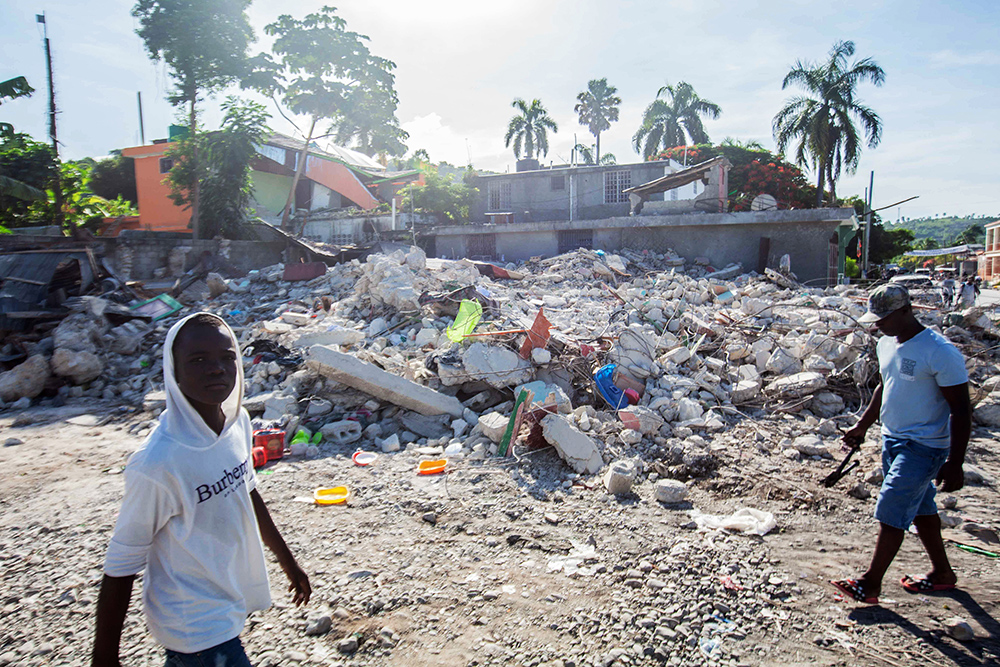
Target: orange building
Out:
[156,211]
[335,178]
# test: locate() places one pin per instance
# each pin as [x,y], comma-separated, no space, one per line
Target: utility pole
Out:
[142,132]
[56,184]
[868,224]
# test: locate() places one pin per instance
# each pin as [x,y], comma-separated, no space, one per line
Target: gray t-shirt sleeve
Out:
[948,366]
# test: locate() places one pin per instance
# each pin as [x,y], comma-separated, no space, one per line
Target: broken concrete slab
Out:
[811,445]
[782,362]
[353,372]
[80,366]
[796,385]
[745,390]
[336,335]
[26,380]
[342,432]
[826,404]
[493,426]
[642,419]
[280,404]
[497,366]
[432,427]
[619,477]
[576,448]
[671,491]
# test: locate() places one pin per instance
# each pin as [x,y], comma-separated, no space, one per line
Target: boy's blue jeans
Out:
[908,489]
[226,654]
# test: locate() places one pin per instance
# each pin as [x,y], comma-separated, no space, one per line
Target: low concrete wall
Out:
[722,238]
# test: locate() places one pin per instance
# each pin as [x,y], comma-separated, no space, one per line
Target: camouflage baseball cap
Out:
[884,300]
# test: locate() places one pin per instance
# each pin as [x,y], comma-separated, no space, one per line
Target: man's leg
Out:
[886,548]
[929,530]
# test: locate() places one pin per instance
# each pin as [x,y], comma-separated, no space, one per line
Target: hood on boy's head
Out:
[180,419]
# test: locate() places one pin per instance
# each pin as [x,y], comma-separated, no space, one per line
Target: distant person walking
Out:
[948,292]
[967,294]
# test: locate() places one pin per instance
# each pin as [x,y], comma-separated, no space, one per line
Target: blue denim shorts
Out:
[226,654]
[908,489]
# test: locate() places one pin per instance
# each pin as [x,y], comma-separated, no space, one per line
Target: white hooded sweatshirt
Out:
[188,520]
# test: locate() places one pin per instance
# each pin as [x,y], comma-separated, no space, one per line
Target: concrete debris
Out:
[80,366]
[217,285]
[366,377]
[619,477]
[671,491]
[796,385]
[342,432]
[958,628]
[497,366]
[27,380]
[576,448]
[810,445]
[493,426]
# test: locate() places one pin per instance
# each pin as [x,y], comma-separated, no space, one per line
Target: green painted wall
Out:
[270,191]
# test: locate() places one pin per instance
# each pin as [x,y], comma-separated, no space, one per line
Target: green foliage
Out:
[823,121]
[326,72]
[946,230]
[529,129]
[597,108]
[851,268]
[114,177]
[29,162]
[11,89]
[204,44]
[886,244]
[672,118]
[442,196]
[225,159]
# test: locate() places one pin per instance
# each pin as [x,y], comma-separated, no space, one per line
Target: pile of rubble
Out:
[367,355]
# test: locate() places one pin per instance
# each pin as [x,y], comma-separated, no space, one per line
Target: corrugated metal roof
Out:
[25,279]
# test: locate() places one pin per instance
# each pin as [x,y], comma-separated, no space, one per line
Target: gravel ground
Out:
[508,561]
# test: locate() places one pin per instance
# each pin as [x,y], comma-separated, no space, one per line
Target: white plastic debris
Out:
[747,520]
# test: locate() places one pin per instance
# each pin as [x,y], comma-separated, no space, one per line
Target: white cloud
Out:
[949,58]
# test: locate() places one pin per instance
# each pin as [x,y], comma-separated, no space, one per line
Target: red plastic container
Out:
[259,457]
[272,440]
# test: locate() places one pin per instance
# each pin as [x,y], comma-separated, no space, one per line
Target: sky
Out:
[461,63]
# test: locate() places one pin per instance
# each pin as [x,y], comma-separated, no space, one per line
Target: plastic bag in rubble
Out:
[748,521]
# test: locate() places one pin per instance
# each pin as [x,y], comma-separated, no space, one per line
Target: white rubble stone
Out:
[782,362]
[216,285]
[79,332]
[295,319]
[26,380]
[280,404]
[756,307]
[494,425]
[649,419]
[348,369]
[666,406]
[737,351]
[126,339]
[678,355]
[427,336]
[826,404]
[541,356]
[630,437]
[390,444]
[377,327]
[416,258]
[796,385]
[987,414]
[576,448]
[459,427]
[688,409]
[671,491]
[80,366]
[748,372]
[818,364]
[497,366]
[811,445]
[619,477]
[745,390]
[338,335]
[342,432]
[958,628]
[319,406]
[633,351]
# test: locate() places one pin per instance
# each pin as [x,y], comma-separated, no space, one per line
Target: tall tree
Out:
[204,44]
[673,118]
[114,177]
[226,158]
[369,124]
[824,122]
[597,108]
[326,72]
[529,129]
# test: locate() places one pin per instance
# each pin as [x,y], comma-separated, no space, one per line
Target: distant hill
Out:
[943,229]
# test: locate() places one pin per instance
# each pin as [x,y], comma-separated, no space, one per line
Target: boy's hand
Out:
[297,582]
[950,477]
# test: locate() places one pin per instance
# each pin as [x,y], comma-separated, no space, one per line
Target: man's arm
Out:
[951,476]
[297,579]
[112,605]
[855,436]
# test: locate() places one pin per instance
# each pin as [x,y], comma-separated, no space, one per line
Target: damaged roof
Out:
[27,278]
[698,172]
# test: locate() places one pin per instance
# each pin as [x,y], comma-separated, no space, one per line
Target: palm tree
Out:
[670,121]
[598,108]
[529,129]
[824,120]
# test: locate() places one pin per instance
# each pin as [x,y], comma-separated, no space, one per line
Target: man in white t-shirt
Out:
[923,404]
[191,516]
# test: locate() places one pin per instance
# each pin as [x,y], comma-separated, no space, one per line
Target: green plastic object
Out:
[300,438]
[469,314]
[158,307]
[317,438]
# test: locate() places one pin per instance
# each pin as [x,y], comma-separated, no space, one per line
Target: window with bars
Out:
[499,195]
[614,183]
[571,239]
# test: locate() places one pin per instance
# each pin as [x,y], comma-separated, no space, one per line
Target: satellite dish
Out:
[763,203]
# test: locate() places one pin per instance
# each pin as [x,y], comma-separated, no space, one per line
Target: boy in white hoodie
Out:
[191,516]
